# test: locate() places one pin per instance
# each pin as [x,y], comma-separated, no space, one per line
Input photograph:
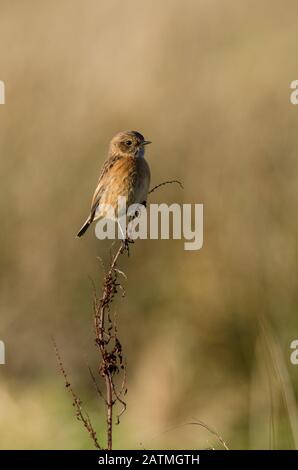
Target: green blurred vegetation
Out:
[208,83]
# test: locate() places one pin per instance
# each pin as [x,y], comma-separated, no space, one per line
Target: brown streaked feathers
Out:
[125,173]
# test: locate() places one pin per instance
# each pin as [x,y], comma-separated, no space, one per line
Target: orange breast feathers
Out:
[128,177]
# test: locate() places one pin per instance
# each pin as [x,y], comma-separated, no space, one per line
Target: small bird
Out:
[125,173]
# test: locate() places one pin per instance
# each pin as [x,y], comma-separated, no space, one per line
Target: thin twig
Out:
[96,384]
[77,402]
[197,422]
[120,401]
[164,183]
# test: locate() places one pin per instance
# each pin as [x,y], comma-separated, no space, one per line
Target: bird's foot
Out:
[126,244]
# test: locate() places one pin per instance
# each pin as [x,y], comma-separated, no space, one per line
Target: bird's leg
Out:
[126,244]
[125,239]
[121,230]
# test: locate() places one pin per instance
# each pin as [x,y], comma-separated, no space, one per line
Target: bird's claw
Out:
[126,244]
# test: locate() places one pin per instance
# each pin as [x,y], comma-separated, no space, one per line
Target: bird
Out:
[125,173]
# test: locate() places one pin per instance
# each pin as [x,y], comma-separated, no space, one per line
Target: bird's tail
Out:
[84,227]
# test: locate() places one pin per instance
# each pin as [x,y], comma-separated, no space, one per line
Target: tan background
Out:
[208,83]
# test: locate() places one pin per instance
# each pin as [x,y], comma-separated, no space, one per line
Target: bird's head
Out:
[128,143]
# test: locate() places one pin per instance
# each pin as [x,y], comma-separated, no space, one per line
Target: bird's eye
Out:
[128,142]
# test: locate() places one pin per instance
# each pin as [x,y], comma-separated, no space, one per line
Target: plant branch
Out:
[164,183]
[105,331]
[77,402]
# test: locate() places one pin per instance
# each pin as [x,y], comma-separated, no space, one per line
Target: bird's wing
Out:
[102,183]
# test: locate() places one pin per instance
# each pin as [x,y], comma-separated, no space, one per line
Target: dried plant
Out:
[109,345]
[111,362]
[112,365]
[77,402]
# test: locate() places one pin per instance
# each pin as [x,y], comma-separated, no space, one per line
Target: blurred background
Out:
[206,333]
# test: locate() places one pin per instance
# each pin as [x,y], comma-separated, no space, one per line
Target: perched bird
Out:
[125,173]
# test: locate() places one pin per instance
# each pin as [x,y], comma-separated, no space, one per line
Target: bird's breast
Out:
[129,178]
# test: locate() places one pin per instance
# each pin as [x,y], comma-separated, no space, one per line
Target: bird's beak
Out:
[146,142]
